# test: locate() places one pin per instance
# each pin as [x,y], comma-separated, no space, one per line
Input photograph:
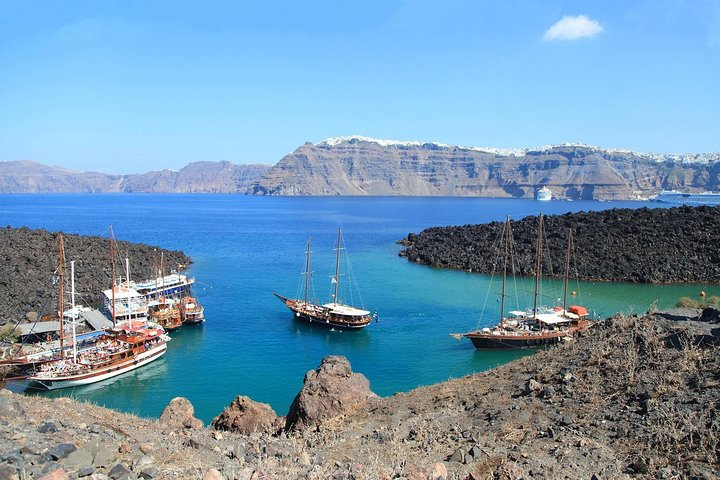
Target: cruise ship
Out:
[673,196]
[544,194]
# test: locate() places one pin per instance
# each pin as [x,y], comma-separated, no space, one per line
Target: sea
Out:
[244,248]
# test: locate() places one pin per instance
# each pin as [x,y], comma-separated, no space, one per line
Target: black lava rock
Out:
[646,245]
[30,257]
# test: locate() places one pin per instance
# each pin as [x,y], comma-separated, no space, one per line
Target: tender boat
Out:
[165,312]
[191,311]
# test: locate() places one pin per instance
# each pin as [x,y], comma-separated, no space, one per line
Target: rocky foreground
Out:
[637,398]
[29,259]
[648,245]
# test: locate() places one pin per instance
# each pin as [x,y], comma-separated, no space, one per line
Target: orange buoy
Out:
[573,293]
[702,293]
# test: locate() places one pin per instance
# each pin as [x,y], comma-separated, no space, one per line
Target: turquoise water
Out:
[246,248]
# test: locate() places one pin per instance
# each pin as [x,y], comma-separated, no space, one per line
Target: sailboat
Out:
[118,350]
[333,314]
[191,310]
[538,327]
[163,310]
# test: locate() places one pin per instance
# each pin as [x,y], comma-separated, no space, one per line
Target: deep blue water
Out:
[245,248]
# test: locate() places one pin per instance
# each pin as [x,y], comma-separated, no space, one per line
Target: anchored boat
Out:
[116,351]
[333,314]
[538,327]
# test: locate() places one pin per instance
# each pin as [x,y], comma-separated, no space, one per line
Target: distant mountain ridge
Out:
[357,165]
[197,177]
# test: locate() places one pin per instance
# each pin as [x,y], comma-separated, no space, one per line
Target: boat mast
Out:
[162,272]
[506,241]
[74,313]
[60,274]
[112,278]
[567,270]
[538,264]
[337,267]
[307,271]
[127,275]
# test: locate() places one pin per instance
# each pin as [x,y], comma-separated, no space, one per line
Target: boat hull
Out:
[485,341]
[321,318]
[113,370]
[193,320]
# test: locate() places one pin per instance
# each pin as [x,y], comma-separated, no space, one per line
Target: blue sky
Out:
[128,86]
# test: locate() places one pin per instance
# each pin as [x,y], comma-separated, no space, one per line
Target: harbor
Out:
[252,345]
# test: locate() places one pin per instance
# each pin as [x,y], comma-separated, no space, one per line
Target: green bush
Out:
[713,301]
[688,302]
[9,333]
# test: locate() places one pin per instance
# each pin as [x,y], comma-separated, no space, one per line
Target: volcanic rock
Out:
[645,245]
[180,413]
[245,416]
[29,258]
[329,391]
[10,409]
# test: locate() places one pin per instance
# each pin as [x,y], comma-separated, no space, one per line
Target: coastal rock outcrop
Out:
[244,415]
[646,245]
[29,258]
[330,390]
[180,413]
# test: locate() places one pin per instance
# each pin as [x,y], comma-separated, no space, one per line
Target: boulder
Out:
[680,314]
[533,386]
[10,408]
[508,471]
[245,416]
[331,390]
[710,315]
[180,413]
[58,474]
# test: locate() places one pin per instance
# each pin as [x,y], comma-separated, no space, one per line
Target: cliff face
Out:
[362,166]
[198,177]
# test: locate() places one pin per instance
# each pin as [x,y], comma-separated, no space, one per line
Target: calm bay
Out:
[245,248]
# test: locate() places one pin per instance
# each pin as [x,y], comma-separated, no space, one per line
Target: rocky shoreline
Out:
[29,258]
[646,245]
[636,398]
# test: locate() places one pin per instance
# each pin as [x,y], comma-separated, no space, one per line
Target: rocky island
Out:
[637,398]
[626,245]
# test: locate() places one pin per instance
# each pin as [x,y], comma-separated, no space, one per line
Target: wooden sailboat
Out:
[118,350]
[191,310]
[165,311]
[333,314]
[538,327]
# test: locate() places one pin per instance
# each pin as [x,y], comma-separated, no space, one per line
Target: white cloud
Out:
[572,28]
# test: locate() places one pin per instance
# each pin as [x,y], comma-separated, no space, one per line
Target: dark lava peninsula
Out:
[29,259]
[647,245]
